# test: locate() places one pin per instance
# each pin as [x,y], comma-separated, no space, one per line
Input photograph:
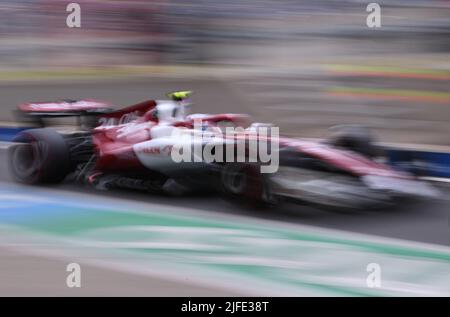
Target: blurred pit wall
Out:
[304,65]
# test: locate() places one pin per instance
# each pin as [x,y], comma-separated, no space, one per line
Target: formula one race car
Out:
[157,146]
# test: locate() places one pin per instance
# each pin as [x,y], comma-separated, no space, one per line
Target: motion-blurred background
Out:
[304,65]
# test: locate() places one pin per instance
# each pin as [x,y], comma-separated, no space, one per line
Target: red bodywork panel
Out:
[116,152]
[350,161]
[238,119]
[113,154]
[128,114]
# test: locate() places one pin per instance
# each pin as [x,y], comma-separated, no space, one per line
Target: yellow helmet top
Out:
[179,95]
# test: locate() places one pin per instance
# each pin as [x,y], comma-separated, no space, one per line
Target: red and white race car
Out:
[134,148]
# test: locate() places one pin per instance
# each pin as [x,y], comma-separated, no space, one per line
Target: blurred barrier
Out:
[34,33]
[7,134]
[421,162]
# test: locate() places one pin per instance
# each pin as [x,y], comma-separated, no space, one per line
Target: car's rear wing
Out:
[65,107]
[86,111]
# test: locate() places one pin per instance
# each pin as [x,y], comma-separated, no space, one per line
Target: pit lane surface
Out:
[427,221]
[25,274]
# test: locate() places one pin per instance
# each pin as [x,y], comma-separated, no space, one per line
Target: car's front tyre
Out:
[244,184]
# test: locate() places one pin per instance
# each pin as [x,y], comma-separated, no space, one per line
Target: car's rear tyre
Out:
[42,157]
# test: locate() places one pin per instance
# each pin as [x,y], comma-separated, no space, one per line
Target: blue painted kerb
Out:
[8,134]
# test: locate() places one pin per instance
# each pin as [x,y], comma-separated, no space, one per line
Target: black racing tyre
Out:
[43,157]
[244,184]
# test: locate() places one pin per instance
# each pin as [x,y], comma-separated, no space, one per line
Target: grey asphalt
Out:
[23,274]
[425,221]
